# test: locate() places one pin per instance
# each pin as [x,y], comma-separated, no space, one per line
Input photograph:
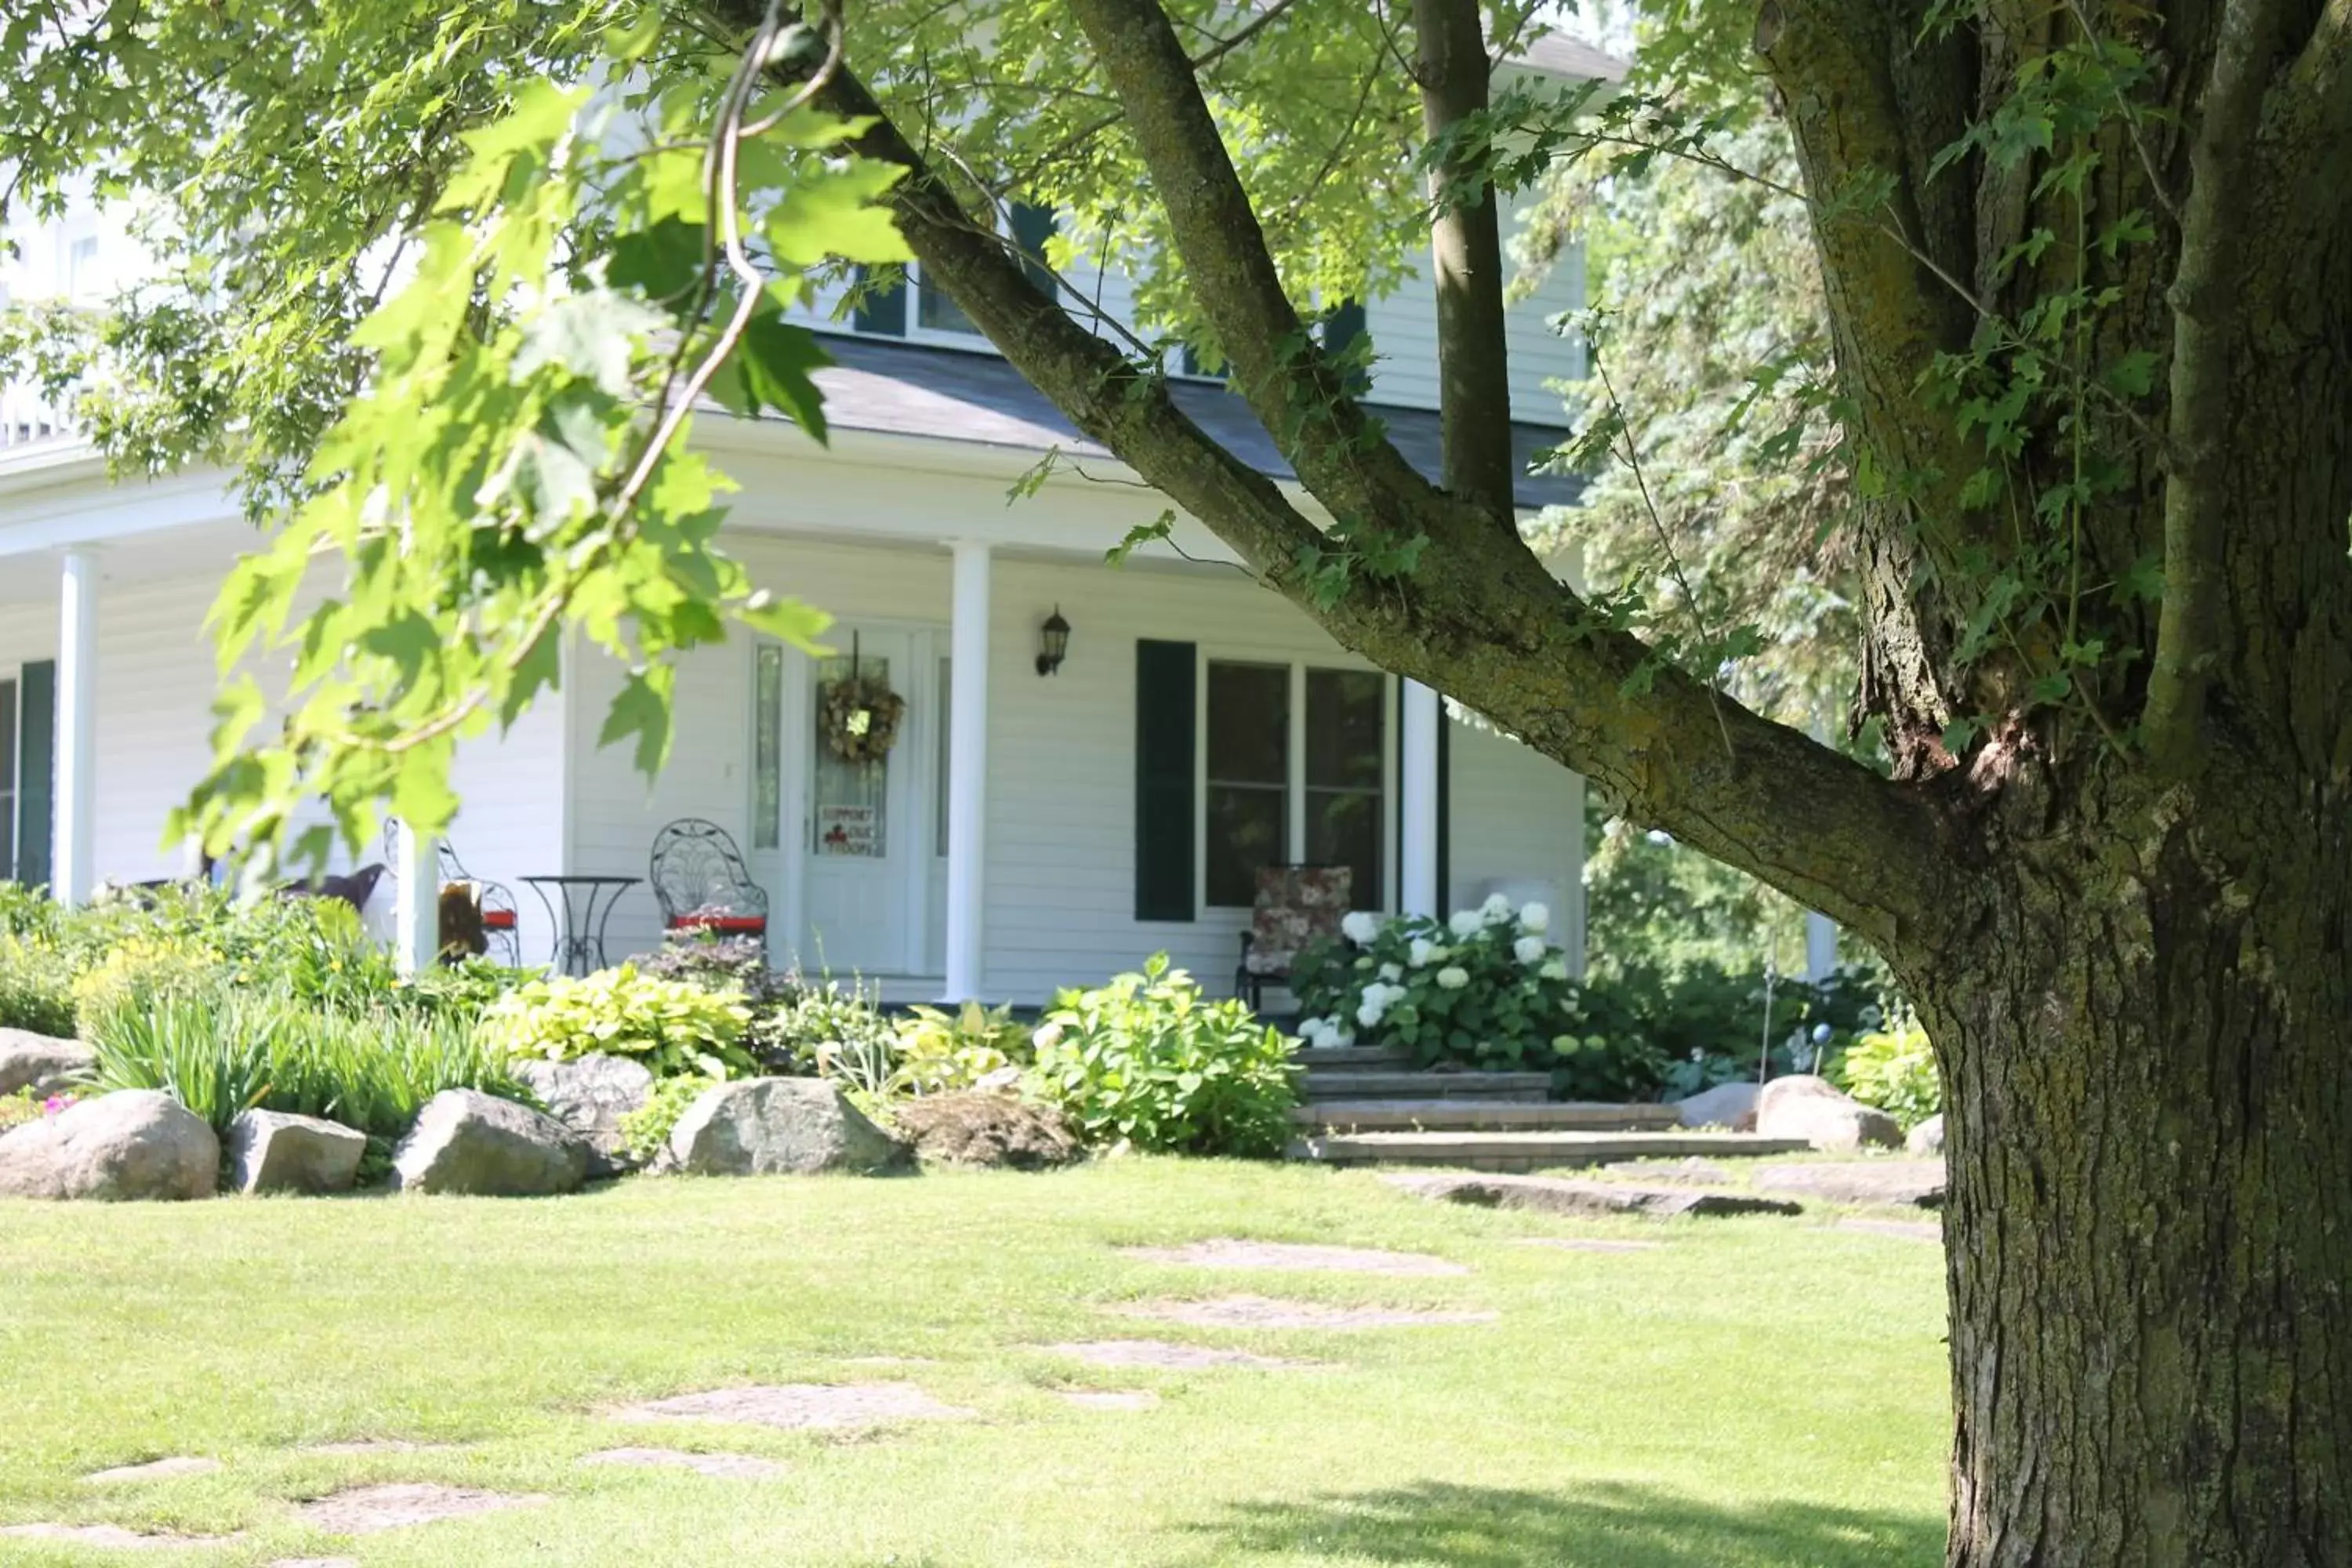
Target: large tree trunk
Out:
[2149,1118]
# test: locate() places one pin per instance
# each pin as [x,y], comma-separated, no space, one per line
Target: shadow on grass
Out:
[1439,1525]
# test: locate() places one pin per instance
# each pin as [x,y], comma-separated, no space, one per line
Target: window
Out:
[1247,784]
[887,311]
[1294,769]
[82,268]
[768,746]
[7,781]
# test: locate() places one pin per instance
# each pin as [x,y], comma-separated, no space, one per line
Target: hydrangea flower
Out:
[1467,922]
[1422,952]
[1046,1037]
[1369,1015]
[1360,927]
[1556,969]
[1529,950]
[1534,919]
[1392,973]
[1453,977]
[1365,963]
[1496,910]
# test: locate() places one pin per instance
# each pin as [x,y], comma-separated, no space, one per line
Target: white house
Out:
[1026,830]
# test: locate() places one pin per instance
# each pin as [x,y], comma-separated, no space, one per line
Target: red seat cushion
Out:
[497,919]
[735,925]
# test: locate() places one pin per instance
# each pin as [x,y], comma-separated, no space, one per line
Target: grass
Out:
[1754,1392]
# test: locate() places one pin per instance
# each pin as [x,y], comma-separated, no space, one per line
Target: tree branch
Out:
[2204,298]
[1489,624]
[1466,246]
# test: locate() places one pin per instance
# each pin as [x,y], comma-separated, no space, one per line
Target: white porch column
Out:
[416,905]
[1417,770]
[1821,947]
[74,849]
[967,769]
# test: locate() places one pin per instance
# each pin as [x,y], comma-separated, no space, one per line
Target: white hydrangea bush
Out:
[1485,987]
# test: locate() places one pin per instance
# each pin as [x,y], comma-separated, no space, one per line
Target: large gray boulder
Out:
[1722,1106]
[589,1096]
[276,1152]
[469,1142]
[1814,1109]
[41,1063]
[1927,1140]
[773,1126]
[138,1144]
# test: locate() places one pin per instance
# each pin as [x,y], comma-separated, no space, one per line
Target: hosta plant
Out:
[1148,1062]
[671,1026]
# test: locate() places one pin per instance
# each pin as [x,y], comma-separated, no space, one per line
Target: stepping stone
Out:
[363,1510]
[1693,1172]
[153,1470]
[1905,1183]
[1264,1312]
[110,1535]
[1110,1398]
[734,1467]
[1908,1229]
[1227,1252]
[801,1405]
[1183,1358]
[1588,1244]
[1572,1196]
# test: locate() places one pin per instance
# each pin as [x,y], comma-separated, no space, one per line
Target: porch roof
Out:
[957,394]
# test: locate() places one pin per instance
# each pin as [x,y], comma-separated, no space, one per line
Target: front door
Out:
[867,877]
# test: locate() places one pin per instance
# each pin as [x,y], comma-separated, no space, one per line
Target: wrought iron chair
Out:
[1296,905]
[700,881]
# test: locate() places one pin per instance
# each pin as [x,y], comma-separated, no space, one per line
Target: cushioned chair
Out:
[1296,905]
[475,915]
[700,881]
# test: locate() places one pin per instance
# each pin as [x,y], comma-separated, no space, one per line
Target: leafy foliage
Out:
[941,1052]
[34,993]
[645,1130]
[1150,1062]
[226,1052]
[673,1028]
[835,1032]
[1894,1069]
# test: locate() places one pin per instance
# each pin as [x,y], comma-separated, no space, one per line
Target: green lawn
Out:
[1754,1391]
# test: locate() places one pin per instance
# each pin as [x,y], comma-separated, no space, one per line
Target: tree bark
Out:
[2149,1229]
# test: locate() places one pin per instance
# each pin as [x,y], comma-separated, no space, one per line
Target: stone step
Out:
[1370,1058]
[1324,1083]
[1531,1150]
[1481,1115]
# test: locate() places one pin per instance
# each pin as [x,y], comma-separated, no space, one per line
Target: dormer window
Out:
[907,308]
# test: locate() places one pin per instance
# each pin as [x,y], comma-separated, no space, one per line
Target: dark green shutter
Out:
[882,311]
[37,753]
[1167,679]
[1031,228]
[1342,327]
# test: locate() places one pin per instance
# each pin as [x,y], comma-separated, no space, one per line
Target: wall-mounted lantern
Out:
[1053,638]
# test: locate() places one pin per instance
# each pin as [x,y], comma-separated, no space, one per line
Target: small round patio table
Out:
[573,909]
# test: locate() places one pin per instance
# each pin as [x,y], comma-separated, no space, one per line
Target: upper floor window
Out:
[908,308]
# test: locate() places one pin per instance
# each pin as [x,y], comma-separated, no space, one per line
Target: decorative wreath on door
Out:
[860,714]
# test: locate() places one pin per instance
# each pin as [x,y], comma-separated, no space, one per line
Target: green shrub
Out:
[1894,1069]
[673,1028]
[36,986]
[645,1130]
[147,967]
[941,1052]
[1150,1061]
[220,1054]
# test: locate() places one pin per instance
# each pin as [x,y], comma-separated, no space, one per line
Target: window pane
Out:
[1343,829]
[1249,725]
[1246,825]
[1345,712]
[939,313]
[767,746]
[852,798]
[946,751]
